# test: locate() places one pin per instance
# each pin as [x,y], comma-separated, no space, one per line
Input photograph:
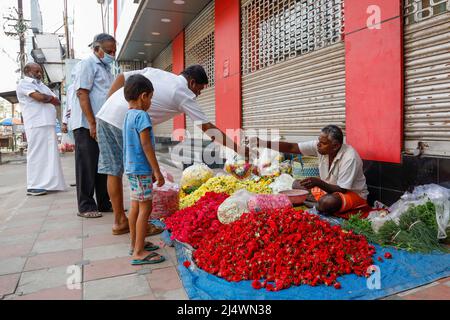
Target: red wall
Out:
[228,64]
[115,16]
[374,80]
[179,122]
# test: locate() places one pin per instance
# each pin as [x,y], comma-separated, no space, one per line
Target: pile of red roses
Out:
[285,247]
[193,224]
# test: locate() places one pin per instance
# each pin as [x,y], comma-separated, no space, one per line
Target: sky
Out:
[85,14]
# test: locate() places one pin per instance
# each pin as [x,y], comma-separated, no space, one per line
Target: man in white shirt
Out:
[44,171]
[342,185]
[173,95]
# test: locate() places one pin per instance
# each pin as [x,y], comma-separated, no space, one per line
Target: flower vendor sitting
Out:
[342,185]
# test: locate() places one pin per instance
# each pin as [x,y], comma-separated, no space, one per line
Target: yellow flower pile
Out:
[225,184]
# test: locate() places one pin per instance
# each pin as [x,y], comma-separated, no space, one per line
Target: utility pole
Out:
[66,31]
[22,55]
[17,29]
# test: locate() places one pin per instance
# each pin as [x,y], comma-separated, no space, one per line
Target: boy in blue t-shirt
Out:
[140,164]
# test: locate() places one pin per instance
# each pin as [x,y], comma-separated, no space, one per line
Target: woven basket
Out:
[305,167]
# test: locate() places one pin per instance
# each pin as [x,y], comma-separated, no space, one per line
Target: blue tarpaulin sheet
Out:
[403,272]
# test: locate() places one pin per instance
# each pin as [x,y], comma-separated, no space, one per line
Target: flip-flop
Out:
[148,247]
[121,231]
[90,214]
[147,260]
[153,230]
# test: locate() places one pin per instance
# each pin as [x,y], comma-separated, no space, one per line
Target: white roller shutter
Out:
[164,61]
[199,49]
[293,60]
[427,80]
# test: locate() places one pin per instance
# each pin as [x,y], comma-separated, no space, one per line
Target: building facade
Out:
[380,69]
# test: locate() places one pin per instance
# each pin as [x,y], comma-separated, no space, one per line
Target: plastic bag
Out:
[194,176]
[440,197]
[286,167]
[282,183]
[167,176]
[67,144]
[233,207]
[165,200]
[264,202]
[238,167]
[268,163]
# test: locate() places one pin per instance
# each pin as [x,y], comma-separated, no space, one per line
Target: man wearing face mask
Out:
[38,102]
[173,95]
[92,82]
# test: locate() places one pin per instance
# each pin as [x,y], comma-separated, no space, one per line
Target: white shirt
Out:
[96,77]
[35,114]
[346,170]
[170,98]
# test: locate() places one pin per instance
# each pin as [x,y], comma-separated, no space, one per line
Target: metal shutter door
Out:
[427,83]
[164,62]
[293,67]
[199,49]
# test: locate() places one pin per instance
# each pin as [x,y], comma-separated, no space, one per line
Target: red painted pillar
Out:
[374,78]
[179,122]
[115,17]
[228,64]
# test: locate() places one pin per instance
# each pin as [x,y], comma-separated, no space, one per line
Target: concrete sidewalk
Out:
[42,237]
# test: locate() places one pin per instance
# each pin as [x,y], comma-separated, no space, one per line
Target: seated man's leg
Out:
[330,204]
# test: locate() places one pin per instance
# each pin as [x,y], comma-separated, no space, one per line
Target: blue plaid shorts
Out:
[110,144]
[141,187]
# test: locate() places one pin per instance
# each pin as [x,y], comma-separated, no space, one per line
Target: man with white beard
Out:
[38,102]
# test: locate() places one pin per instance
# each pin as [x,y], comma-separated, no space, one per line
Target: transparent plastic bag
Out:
[67,143]
[440,197]
[268,163]
[194,176]
[262,202]
[282,183]
[233,207]
[165,200]
[238,167]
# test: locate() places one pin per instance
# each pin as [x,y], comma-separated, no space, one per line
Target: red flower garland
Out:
[281,247]
[286,247]
[192,224]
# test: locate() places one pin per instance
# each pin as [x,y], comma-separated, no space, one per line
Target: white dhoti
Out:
[44,170]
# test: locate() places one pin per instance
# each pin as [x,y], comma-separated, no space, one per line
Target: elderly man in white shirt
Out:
[173,95]
[342,185]
[44,171]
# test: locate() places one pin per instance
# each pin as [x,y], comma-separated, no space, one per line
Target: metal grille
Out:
[126,66]
[199,42]
[277,30]
[199,49]
[420,10]
[164,60]
[203,53]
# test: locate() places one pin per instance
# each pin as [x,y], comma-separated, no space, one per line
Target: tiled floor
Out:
[45,248]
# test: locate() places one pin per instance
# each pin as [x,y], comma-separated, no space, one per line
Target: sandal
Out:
[147,260]
[90,214]
[153,230]
[147,247]
[119,232]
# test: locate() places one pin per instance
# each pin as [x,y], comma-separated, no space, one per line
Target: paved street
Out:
[40,237]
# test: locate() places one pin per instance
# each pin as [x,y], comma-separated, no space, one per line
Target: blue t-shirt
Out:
[134,158]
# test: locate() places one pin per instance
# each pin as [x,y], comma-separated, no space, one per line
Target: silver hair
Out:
[334,133]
